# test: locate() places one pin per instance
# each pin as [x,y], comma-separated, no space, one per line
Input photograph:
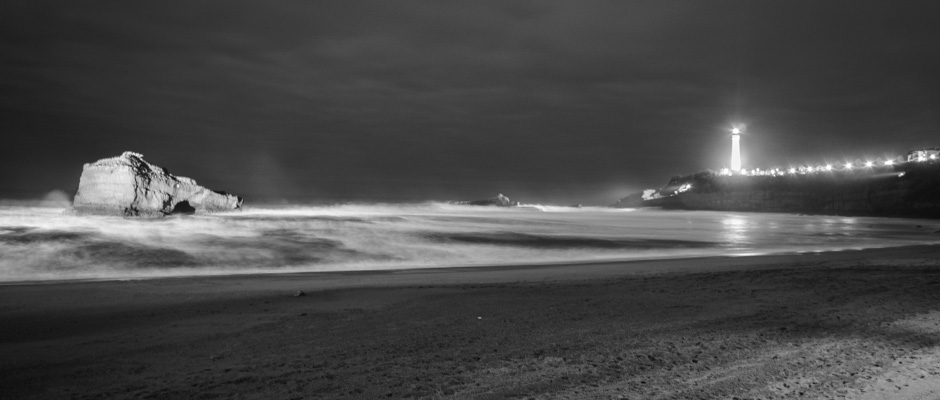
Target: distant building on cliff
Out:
[928,154]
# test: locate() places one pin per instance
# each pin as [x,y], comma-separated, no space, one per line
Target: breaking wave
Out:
[39,242]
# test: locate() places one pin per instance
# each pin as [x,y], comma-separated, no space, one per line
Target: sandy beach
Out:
[851,324]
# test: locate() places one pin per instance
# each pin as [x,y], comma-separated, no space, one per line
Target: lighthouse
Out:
[735,150]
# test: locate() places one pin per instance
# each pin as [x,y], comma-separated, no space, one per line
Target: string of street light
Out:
[923,155]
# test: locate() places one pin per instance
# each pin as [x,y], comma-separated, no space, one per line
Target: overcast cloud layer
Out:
[564,102]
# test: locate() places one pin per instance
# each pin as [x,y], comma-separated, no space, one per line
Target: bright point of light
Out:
[792,170]
[735,131]
[933,156]
[889,162]
[869,164]
[828,167]
[810,169]
[848,165]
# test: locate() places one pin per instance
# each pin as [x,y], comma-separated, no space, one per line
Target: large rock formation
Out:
[499,201]
[129,186]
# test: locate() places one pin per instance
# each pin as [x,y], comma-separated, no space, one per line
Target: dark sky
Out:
[544,101]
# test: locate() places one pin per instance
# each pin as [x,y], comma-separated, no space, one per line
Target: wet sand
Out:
[854,324]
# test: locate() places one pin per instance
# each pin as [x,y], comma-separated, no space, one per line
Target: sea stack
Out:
[129,186]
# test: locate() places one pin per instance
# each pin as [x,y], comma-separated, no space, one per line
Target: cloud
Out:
[441,99]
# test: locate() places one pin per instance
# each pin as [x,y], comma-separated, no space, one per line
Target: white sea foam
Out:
[40,243]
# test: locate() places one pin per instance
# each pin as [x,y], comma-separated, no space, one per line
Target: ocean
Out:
[42,244]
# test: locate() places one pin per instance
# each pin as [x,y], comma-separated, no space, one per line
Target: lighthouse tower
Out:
[735,150]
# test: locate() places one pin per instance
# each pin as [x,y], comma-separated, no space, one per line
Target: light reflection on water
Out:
[735,232]
[41,243]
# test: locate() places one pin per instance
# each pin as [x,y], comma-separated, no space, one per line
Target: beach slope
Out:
[856,324]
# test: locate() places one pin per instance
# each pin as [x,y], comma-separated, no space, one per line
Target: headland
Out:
[910,189]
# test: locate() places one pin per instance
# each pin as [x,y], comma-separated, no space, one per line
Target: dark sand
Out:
[857,324]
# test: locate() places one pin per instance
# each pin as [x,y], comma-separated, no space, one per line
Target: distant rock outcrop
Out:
[499,201]
[129,186]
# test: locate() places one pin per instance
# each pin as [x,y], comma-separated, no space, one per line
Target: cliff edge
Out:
[129,186]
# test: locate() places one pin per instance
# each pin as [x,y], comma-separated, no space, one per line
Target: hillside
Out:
[905,190]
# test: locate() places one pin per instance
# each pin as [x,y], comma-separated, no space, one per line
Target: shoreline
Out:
[848,323]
